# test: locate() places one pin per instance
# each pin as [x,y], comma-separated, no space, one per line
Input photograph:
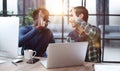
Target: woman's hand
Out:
[39,22]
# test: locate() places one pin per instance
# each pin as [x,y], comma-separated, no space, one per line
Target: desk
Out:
[23,66]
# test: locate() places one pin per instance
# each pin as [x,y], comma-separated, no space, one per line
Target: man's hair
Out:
[44,11]
[83,10]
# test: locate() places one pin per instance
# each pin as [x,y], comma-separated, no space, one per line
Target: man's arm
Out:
[87,28]
[90,31]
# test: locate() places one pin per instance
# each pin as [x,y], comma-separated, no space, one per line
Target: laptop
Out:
[65,54]
[9,32]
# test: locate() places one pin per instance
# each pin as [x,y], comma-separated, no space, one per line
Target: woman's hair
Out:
[83,10]
[44,11]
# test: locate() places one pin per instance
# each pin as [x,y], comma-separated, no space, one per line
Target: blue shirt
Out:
[37,40]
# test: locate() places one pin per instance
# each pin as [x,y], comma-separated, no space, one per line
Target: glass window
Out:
[115,20]
[114,6]
[67,27]
[74,3]
[112,40]
[55,8]
[56,26]
[20,7]
[112,50]
[12,7]
[61,8]
[91,6]
[1,6]
[92,20]
[27,5]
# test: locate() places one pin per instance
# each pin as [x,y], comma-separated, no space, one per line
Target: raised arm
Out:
[25,34]
[87,28]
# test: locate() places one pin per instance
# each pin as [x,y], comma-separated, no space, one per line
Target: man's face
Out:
[72,18]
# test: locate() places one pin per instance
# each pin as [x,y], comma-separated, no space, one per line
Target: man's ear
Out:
[81,16]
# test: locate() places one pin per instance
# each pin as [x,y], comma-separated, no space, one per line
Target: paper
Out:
[107,67]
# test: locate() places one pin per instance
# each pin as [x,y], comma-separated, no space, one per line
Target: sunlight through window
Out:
[54,8]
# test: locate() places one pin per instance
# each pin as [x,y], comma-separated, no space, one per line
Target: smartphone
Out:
[33,60]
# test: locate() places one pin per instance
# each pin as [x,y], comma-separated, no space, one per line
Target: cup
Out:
[29,54]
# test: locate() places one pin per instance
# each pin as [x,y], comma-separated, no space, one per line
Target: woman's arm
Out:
[25,34]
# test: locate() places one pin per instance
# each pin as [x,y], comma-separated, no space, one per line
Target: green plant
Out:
[28,19]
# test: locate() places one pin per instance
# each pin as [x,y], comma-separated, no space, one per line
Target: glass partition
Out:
[112,33]
[12,7]
[1,5]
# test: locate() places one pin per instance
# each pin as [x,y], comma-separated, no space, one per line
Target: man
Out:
[36,36]
[85,32]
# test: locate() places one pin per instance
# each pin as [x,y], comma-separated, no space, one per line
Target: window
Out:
[12,7]
[61,9]
[114,10]
[1,5]
[111,47]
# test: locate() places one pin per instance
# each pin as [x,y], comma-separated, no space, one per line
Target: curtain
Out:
[102,6]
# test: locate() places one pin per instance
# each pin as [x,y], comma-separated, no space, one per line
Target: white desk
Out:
[23,66]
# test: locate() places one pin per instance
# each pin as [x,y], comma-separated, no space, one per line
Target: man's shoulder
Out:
[96,27]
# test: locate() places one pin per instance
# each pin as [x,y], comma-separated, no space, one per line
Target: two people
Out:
[36,36]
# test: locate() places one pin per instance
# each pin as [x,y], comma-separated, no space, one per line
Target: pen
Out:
[14,63]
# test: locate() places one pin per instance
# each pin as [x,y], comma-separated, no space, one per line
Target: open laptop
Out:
[65,54]
[9,32]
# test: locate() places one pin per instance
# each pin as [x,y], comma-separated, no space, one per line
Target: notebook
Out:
[65,54]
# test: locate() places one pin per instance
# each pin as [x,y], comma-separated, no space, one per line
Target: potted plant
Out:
[28,19]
